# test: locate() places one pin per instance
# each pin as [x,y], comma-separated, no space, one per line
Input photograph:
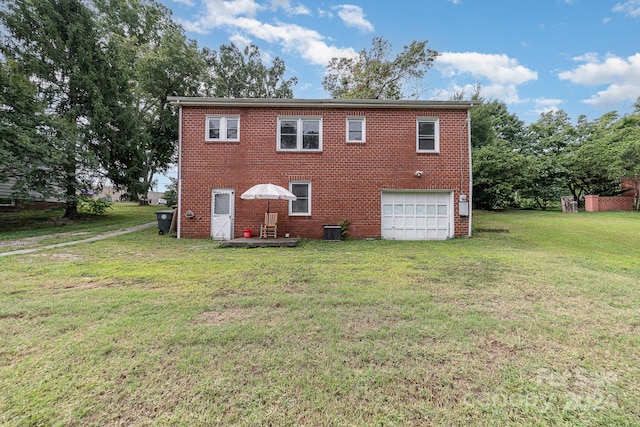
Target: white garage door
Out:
[417,216]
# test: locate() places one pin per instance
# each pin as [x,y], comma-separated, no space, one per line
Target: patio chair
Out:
[270,225]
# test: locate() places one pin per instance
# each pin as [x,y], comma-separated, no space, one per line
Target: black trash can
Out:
[332,232]
[164,221]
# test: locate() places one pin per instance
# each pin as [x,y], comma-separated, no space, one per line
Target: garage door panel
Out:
[416,215]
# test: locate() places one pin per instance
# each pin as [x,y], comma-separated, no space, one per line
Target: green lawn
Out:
[46,227]
[535,320]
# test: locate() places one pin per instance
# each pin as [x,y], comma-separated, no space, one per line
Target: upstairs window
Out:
[356,131]
[428,135]
[223,128]
[299,134]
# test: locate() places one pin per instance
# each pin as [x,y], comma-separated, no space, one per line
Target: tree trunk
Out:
[71,211]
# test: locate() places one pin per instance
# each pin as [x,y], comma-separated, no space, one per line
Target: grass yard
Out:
[47,227]
[534,321]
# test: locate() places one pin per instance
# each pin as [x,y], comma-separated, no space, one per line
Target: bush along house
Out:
[394,169]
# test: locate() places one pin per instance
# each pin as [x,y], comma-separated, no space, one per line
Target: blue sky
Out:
[582,56]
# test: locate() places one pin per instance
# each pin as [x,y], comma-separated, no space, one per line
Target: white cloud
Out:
[325,13]
[218,13]
[629,8]
[497,69]
[299,9]
[353,16]
[505,93]
[309,44]
[282,4]
[620,75]
[498,75]
[185,2]
[240,40]
[546,105]
[238,17]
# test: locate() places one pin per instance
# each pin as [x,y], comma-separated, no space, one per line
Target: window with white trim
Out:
[302,205]
[356,129]
[427,135]
[299,134]
[223,128]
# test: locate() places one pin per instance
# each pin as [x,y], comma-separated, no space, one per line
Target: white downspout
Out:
[470,171]
[179,169]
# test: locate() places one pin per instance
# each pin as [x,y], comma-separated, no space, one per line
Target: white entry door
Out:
[222,214]
[417,215]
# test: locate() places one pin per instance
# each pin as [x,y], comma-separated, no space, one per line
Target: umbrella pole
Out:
[268,202]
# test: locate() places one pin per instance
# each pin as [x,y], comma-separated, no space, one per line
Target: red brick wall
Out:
[346,178]
[604,204]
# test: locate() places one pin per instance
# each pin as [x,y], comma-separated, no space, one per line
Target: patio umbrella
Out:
[268,192]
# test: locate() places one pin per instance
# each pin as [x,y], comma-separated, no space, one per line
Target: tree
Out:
[242,74]
[548,138]
[499,173]
[158,61]
[374,75]
[500,169]
[56,45]
[626,136]
[22,132]
[591,158]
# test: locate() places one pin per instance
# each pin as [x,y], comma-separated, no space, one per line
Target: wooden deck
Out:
[255,242]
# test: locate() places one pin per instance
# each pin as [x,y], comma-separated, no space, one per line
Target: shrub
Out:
[94,206]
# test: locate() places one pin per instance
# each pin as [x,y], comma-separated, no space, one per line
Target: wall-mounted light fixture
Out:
[189,214]
[418,174]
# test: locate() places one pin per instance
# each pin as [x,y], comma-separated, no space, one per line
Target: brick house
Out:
[395,169]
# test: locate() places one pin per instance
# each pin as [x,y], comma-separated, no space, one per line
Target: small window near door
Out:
[302,205]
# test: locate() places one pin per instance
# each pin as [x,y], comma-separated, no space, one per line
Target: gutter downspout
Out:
[179,230]
[470,172]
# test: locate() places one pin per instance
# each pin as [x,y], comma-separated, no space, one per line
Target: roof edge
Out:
[318,103]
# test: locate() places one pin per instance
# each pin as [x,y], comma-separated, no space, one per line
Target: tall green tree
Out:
[500,169]
[23,133]
[591,158]
[243,74]
[499,174]
[548,139]
[374,74]
[159,61]
[626,135]
[58,47]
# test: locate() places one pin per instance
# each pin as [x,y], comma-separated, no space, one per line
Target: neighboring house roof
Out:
[319,103]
